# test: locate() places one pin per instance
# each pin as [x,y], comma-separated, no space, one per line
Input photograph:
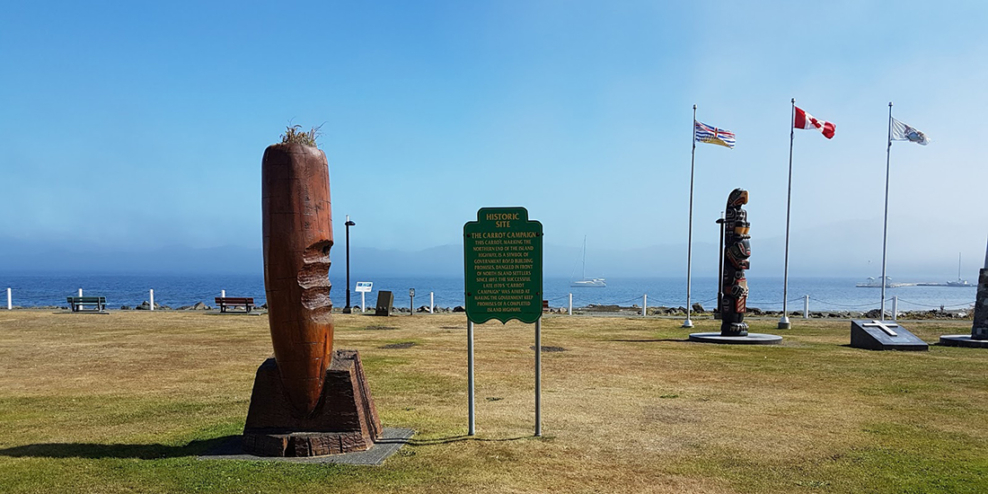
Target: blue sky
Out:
[153,119]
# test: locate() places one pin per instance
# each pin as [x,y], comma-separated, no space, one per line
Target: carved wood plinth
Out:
[345,419]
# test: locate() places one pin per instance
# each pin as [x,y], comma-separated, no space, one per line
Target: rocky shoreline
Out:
[698,311]
[595,309]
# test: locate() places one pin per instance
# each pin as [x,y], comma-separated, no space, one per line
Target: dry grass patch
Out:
[124,402]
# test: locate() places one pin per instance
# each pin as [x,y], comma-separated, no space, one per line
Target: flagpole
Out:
[689,242]
[885,232]
[784,321]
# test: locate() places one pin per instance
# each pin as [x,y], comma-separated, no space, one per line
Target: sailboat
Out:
[959,281]
[587,282]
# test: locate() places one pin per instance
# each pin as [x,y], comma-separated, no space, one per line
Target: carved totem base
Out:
[345,420]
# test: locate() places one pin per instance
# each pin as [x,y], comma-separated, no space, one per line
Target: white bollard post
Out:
[644,305]
[806,306]
[152,298]
[895,308]
[432,302]
[223,293]
[570,313]
[80,292]
[10,305]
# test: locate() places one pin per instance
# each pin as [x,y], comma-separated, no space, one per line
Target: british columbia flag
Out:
[712,135]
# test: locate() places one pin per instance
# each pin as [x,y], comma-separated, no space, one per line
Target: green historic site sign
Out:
[502,253]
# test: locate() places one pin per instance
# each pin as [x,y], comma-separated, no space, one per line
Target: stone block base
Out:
[747,339]
[344,421]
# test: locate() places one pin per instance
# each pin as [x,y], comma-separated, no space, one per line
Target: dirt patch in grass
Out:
[398,346]
[549,349]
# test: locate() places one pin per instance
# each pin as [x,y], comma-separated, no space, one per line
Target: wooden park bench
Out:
[77,303]
[232,302]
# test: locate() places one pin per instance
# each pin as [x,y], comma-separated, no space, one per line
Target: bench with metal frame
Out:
[78,303]
[225,303]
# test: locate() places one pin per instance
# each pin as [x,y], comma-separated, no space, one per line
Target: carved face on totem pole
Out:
[298,234]
[737,250]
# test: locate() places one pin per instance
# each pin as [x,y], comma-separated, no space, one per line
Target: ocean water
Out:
[829,294]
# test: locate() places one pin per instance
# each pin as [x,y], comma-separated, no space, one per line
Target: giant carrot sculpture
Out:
[298,234]
[308,400]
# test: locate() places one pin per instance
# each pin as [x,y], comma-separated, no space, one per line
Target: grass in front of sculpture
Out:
[126,402]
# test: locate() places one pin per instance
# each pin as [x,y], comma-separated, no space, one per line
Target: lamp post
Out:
[347,309]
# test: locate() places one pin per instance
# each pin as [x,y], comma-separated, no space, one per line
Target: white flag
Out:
[903,132]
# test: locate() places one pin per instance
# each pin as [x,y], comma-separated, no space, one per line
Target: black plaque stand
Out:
[884,335]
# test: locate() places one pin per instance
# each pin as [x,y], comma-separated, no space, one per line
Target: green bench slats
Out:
[78,303]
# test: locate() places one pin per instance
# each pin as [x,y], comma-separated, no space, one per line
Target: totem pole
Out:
[308,400]
[733,286]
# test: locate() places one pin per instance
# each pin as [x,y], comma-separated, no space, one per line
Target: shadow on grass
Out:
[97,451]
[654,340]
[457,439]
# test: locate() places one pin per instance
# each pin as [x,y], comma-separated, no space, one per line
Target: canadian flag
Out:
[804,120]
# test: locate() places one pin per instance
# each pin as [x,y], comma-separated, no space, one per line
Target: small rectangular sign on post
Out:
[363,288]
[502,253]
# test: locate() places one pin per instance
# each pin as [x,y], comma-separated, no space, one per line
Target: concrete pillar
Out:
[570,312]
[806,306]
[151,294]
[10,305]
[432,302]
[644,305]
[979,330]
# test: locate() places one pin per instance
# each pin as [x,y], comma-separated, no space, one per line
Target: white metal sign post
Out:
[363,287]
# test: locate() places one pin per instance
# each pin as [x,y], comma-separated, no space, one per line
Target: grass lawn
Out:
[125,402]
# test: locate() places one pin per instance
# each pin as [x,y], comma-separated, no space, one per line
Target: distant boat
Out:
[598,282]
[876,283]
[587,282]
[959,281]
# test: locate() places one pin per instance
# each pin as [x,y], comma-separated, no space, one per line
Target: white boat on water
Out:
[959,282]
[876,283]
[587,282]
